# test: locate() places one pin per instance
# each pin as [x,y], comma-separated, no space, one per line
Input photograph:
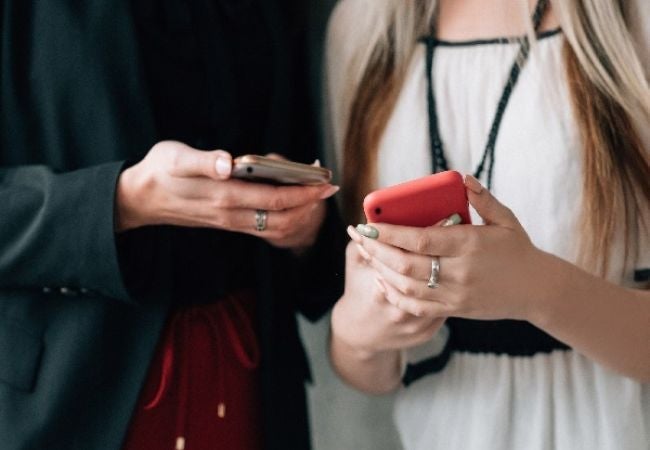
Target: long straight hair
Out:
[609,94]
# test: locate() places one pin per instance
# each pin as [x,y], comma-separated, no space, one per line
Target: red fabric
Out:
[204,368]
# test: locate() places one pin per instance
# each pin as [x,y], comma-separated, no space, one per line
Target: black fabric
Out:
[497,337]
[510,337]
[85,91]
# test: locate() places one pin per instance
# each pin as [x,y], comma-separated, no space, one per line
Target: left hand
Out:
[486,272]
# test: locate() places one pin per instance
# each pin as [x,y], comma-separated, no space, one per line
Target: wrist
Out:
[347,338]
[551,290]
[128,201]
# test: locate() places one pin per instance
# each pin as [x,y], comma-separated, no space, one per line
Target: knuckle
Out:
[277,201]
[397,316]
[472,241]
[222,199]
[422,243]
[404,267]
[174,156]
[408,289]
[418,310]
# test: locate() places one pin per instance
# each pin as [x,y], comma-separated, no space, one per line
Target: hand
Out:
[178,185]
[486,272]
[369,324]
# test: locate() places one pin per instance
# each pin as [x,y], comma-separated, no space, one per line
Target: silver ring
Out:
[260,219]
[435,273]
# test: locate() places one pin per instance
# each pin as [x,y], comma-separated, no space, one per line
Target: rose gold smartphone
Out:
[268,170]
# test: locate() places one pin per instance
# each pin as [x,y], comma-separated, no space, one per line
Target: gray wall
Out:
[342,418]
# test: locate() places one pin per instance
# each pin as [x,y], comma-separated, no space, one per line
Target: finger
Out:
[434,240]
[418,308]
[279,224]
[240,194]
[410,265]
[287,197]
[491,210]
[276,156]
[189,162]
[410,287]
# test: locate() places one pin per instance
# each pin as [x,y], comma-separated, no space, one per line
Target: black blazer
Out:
[81,311]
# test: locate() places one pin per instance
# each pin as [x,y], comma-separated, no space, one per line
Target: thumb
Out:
[491,210]
[185,161]
[222,163]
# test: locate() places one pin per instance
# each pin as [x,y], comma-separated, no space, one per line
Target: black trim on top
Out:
[642,275]
[499,40]
[497,337]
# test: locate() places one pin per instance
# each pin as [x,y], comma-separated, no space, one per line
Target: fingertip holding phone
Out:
[277,171]
[421,202]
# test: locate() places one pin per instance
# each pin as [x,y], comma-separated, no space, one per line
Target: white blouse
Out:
[557,400]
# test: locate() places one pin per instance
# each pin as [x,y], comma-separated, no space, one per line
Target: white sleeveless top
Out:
[558,400]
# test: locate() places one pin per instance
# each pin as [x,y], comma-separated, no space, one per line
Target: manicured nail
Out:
[363,252]
[454,219]
[223,166]
[327,193]
[473,184]
[368,231]
[380,286]
[316,163]
[354,235]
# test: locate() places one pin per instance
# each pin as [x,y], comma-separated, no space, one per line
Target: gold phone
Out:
[269,170]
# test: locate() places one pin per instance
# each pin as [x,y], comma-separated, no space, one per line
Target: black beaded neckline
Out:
[438,158]
[491,41]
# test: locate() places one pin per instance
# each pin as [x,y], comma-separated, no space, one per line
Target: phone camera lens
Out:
[377,211]
[249,169]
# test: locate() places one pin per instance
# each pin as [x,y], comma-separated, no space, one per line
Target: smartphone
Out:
[419,203]
[269,170]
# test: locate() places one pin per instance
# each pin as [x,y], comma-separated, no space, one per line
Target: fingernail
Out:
[223,166]
[454,219]
[316,163]
[368,231]
[354,235]
[364,253]
[473,184]
[329,192]
[380,286]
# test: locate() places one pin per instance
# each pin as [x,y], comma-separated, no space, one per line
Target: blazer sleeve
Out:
[57,232]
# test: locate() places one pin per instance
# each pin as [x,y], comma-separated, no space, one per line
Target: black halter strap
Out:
[438,160]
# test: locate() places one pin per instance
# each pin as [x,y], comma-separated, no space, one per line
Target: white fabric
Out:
[559,401]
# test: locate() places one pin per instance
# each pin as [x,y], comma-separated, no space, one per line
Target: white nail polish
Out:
[223,167]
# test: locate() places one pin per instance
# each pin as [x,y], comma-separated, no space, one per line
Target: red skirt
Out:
[202,391]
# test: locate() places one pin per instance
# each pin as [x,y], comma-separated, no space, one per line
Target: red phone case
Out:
[419,203]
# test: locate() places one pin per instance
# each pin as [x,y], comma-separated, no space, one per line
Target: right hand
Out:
[365,321]
[178,185]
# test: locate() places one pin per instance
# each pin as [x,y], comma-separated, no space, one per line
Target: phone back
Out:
[419,203]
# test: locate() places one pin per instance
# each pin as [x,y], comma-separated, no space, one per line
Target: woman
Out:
[535,333]
[147,300]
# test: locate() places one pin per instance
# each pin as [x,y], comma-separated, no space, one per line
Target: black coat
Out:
[80,310]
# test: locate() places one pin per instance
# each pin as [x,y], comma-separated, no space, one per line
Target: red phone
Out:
[419,203]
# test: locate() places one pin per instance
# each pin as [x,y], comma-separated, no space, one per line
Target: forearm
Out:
[606,322]
[374,373]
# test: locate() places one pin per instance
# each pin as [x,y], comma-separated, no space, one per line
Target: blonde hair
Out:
[609,93]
